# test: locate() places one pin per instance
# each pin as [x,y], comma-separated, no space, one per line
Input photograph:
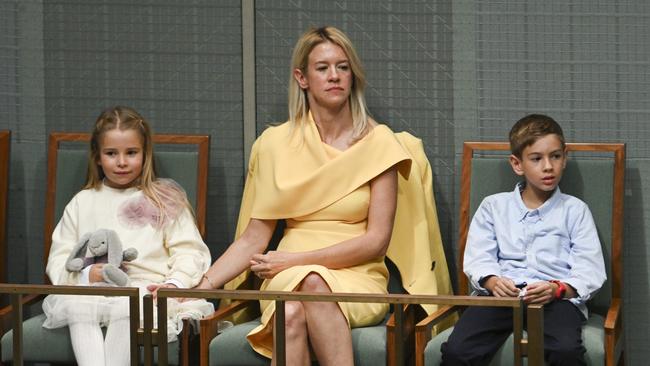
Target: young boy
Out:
[537,242]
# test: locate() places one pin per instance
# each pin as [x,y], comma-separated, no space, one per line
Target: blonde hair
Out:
[298,102]
[156,190]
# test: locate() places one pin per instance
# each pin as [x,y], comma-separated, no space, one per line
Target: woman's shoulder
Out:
[274,130]
[273,134]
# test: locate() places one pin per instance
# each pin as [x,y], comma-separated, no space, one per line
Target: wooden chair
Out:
[595,173]
[183,158]
[4,186]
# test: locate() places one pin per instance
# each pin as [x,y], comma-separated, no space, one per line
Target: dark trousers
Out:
[480,332]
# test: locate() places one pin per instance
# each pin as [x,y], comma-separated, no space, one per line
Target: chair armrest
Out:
[6,313]
[424,327]
[613,332]
[209,326]
[412,314]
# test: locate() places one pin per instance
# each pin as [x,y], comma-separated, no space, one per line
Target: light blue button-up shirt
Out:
[556,241]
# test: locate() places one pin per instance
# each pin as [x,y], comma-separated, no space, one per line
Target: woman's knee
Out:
[295,321]
[313,282]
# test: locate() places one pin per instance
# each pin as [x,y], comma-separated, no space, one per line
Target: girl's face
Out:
[121,157]
[328,79]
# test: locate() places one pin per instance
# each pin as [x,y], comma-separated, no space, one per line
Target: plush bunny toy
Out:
[102,246]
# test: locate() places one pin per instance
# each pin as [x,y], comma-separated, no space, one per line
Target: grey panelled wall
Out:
[176,62]
[447,71]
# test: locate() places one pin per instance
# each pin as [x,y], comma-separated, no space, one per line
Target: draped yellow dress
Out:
[323,194]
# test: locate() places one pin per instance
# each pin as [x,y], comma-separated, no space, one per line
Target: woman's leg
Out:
[327,327]
[87,343]
[117,343]
[297,345]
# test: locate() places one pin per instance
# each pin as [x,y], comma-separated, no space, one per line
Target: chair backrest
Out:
[4,186]
[595,173]
[183,158]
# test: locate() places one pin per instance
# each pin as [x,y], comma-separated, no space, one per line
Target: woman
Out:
[331,172]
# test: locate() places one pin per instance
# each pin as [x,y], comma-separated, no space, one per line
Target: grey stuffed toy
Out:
[102,246]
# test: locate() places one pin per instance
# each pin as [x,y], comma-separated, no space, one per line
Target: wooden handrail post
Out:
[399,334]
[17,307]
[518,333]
[279,345]
[162,332]
[147,307]
[535,315]
[134,324]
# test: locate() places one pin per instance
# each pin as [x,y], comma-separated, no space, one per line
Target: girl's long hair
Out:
[158,191]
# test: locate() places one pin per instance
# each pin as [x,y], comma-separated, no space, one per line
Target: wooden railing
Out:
[150,337]
[532,347]
[16,293]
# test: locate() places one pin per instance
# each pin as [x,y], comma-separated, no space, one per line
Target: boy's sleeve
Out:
[481,250]
[189,257]
[586,261]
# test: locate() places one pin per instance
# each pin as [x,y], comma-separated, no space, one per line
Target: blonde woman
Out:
[331,172]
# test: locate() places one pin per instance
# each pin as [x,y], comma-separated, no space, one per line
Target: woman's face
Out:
[328,79]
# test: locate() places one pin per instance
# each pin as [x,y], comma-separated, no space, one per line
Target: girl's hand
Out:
[501,287]
[540,293]
[269,264]
[153,288]
[95,274]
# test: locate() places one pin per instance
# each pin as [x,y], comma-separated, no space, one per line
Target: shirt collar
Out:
[541,210]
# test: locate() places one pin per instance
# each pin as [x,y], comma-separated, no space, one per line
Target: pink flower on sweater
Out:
[140,211]
[137,212]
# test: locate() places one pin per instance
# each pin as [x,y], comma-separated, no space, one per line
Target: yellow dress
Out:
[323,194]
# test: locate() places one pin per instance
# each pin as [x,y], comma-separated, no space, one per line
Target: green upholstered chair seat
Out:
[593,335]
[53,345]
[232,349]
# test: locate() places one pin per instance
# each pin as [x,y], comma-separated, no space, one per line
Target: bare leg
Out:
[297,346]
[329,332]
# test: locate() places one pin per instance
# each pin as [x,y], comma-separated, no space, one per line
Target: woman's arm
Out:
[236,258]
[372,244]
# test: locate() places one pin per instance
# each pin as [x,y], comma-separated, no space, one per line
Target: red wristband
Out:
[561,289]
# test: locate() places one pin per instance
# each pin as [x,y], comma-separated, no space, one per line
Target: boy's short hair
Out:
[530,129]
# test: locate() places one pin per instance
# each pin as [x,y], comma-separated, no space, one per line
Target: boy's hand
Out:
[540,293]
[501,287]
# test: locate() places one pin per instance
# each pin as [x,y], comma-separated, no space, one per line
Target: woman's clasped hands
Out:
[267,265]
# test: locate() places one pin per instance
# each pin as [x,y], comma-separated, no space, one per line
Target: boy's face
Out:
[541,164]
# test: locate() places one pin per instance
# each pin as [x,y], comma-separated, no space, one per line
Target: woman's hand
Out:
[501,287]
[269,264]
[154,287]
[540,293]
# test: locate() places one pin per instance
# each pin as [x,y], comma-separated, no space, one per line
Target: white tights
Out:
[92,349]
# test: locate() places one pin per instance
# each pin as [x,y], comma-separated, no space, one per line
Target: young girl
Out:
[151,215]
